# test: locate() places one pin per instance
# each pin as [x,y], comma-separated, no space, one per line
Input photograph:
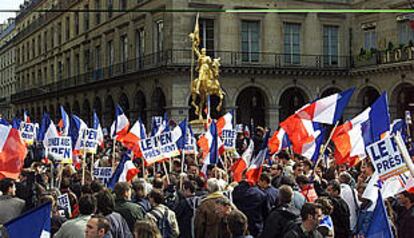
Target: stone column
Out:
[272,116]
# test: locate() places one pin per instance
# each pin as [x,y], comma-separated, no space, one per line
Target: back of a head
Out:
[189,185]
[5,185]
[285,194]
[96,186]
[146,229]
[237,223]
[157,195]
[105,202]
[345,177]
[121,188]
[157,183]
[87,204]
[213,185]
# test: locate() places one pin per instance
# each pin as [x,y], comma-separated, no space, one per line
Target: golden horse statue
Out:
[207,83]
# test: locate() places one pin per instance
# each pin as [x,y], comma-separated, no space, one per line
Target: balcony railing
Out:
[400,55]
[182,58]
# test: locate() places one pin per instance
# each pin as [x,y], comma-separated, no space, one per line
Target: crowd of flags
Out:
[303,133]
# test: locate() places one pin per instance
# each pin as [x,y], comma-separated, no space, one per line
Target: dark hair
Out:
[103,223]
[121,188]
[65,184]
[335,185]
[138,186]
[283,155]
[237,223]
[86,189]
[326,205]
[96,186]
[189,185]
[287,180]
[308,163]
[409,195]
[157,183]
[105,202]
[87,204]
[297,165]
[285,194]
[302,179]
[157,196]
[6,184]
[309,209]
[146,229]
[265,177]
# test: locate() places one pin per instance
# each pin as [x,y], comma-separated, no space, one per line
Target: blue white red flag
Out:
[97,126]
[133,137]
[120,126]
[124,172]
[64,123]
[255,167]
[47,130]
[379,226]
[77,126]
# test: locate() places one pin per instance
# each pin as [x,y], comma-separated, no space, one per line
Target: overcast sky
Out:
[8,4]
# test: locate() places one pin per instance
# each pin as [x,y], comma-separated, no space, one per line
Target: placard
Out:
[60,148]
[158,147]
[386,158]
[64,202]
[27,132]
[229,139]
[104,174]
[89,141]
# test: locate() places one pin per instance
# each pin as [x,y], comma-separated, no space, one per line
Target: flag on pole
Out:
[124,172]
[47,130]
[133,137]
[256,165]
[26,117]
[379,226]
[210,144]
[278,141]
[225,123]
[12,151]
[120,126]
[77,127]
[97,126]
[64,123]
[32,224]
[327,110]
[179,134]
[243,162]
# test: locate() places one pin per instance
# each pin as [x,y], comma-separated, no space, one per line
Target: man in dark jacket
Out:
[252,202]
[340,214]
[283,217]
[185,211]
[272,193]
[10,206]
[405,222]
[131,212]
[311,215]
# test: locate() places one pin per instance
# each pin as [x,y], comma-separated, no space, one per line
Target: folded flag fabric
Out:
[64,123]
[256,165]
[77,126]
[225,123]
[180,134]
[124,172]
[120,126]
[278,141]
[13,151]
[47,130]
[243,162]
[133,137]
[32,224]
[211,146]
[351,138]
[97,126]
[327,110]
[379,226]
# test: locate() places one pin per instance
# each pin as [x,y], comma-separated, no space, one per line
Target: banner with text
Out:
[28,132]
[229,139]
[386,158]
[159,147]
[64,202]
[89,141]
[60,148]
[104,174]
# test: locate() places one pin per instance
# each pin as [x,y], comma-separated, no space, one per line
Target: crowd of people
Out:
[293,198]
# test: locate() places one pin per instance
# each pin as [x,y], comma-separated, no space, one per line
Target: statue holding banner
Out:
[207,82]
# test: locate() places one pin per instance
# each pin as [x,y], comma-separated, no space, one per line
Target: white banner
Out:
[60,148]
[387,158]
[159,147]
[104,174]
[28,132]
[89,141]
[229,139]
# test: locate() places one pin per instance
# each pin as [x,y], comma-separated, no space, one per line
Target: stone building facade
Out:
[272,63]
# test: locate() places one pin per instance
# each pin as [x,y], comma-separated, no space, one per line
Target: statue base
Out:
[198,126]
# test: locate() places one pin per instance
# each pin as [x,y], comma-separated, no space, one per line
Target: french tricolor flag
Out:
[306,136]
[125,171]
[12,151]
[211,146]
[120,126]
[64,123]
[26,117]
[159,125]
[243,162]
[47,130]
[327,110]
[255,167]
[225,123]
[351,138]
[278,141]
[77,126]
[97,126]
[179,134]
[133,137]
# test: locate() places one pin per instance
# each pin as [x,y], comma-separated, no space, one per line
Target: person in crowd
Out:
[319,182]
[326,227]
[162,216]
[105,207]
[141,195]
[307,167]
[272,193]
[186,208]
[276,172]
[65,187]
[57,218]
[10,206]
[287,163]
[298,198]
[297,169]
[131,212]
[242,142]
[350,196]
[405,221]
[208,222]
[96,186]
[365,214]
[311,215]
[237,225]
[252,202]
[306,188]
[283,217]
[258,139]
[75,228]
[340,214]
[146,229]
[97,227]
